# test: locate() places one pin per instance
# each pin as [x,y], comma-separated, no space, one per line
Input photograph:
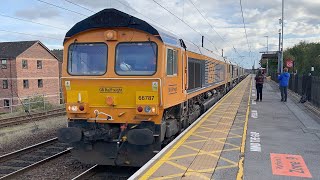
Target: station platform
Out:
[239,138]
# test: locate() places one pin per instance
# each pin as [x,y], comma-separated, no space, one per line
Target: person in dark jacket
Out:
[259,85]
[284,82]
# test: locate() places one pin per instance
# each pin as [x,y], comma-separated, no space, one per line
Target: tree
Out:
[304,55]
[58,53]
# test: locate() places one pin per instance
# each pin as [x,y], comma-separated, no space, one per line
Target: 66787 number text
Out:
[146,97]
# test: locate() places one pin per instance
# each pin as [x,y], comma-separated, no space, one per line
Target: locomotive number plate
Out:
[146,97]
[150,98]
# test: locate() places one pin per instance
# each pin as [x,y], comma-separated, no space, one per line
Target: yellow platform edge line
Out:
[244,135]
[166,156]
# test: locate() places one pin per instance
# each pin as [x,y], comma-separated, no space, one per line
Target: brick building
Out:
[27,68]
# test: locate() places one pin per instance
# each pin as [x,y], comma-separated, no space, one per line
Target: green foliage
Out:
[304,55]
[273,64]
[58,53]
[36,102]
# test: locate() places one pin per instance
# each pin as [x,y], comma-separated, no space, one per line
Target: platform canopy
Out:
[269,55]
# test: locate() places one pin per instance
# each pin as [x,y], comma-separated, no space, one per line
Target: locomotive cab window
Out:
[172,62]
[87,59]
[136,58]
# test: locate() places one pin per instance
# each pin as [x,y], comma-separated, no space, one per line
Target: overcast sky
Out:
[224,29]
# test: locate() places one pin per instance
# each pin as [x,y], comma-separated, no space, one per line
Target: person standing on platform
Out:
[259,85]
[284,82]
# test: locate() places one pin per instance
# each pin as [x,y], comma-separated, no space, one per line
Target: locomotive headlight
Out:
[147,109]
[153,109]
[110,35]
[74,108]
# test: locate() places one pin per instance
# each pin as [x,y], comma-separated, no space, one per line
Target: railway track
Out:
[34,117]
[15,163]
[106,172]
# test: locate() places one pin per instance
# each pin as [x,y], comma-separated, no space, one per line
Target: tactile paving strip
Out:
[197,153]
[225,169]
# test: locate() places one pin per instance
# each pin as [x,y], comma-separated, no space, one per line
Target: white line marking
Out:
[255,142]
[254,94]
[254,114]
[254,102]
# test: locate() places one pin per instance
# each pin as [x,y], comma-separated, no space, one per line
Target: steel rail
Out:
[24,119]
[21,171]
[26,150]
[87,173]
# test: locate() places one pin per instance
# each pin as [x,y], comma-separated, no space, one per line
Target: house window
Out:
[24,64]
[6,103]
[39,64]
[172,58]
[40,83]
[5,84]
[3,64]
[26,84]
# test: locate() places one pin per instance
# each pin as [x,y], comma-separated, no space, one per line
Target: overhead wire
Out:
[127,6]
[146,18]
[79,6]
[149,18]
[60,7]
[244,25]
[66,9]
[15,32]
[156,23]
[56,6]
[245,29]
[183,21]
[206,20]
[212,27]
[25,20]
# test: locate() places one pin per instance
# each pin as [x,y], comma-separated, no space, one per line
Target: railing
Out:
[32,104]
[305,85]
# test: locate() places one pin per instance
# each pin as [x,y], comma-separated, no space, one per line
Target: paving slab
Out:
[244,139]
[282,140]
[211,145]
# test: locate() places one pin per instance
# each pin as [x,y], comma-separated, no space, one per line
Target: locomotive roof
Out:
[111,18]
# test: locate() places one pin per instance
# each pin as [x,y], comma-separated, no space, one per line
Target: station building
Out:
[27,69]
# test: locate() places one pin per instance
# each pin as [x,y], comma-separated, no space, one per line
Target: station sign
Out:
[289,63]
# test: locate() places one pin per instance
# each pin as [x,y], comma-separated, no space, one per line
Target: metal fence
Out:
[34,103]
[306,86]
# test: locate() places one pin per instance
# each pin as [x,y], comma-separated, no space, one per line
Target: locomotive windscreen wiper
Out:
[73,49]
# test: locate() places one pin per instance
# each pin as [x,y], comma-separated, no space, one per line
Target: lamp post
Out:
[267,53]
[282,23]
[279,51]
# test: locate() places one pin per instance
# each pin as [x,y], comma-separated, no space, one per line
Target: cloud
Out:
[302,19]
[37,13]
